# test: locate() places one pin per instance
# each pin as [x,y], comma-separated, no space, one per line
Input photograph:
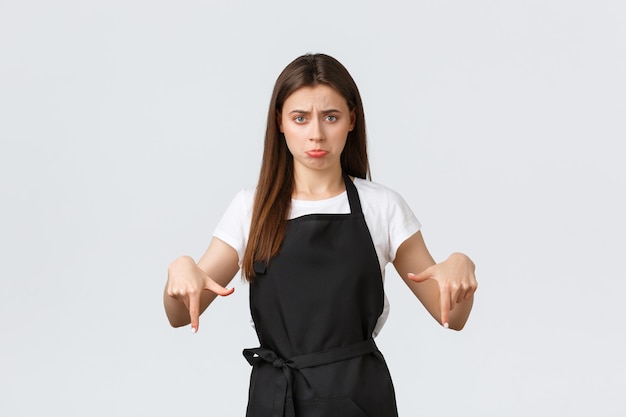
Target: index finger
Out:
[194,311]
[445,307]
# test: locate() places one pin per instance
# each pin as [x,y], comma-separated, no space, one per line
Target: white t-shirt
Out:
[387,215]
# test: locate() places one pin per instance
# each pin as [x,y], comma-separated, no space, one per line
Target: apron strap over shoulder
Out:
[353,195]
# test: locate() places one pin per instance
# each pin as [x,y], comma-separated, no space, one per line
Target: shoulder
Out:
[239,210]
[233,227]
[246,193]
[243,200]
[373,192]
[382,203]
[389,217]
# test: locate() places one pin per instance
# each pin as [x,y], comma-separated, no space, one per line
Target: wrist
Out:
[181,261]
[461,257]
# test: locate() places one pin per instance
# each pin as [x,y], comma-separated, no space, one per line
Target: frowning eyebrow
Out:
[308,112]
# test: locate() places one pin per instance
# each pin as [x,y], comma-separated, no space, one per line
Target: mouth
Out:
[317,153]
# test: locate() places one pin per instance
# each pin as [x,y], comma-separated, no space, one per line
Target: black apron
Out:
[315,306]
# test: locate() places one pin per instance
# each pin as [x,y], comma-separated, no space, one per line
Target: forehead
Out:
[322,96]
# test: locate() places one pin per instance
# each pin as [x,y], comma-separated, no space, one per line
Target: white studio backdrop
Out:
[127,126]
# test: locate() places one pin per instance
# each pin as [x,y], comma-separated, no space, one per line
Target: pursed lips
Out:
[316,153]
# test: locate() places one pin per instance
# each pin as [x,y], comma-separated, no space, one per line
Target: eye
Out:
[299,119]
[331,118]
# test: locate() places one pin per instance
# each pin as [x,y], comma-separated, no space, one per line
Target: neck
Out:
[317,185]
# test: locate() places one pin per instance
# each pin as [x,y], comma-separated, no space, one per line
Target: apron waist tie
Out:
[285,386]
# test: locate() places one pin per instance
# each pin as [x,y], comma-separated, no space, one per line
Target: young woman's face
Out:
[315,122]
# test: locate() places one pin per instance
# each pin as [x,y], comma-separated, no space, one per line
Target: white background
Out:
[127,126]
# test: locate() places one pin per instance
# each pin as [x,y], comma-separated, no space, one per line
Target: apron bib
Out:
[314,307]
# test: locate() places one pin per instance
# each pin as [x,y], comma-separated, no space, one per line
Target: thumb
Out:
[218,289]
[421,277]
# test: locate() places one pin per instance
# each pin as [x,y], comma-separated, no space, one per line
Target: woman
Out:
[313,240]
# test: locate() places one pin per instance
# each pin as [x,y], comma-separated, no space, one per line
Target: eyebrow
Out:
[308,112]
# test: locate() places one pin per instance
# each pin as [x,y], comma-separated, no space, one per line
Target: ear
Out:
[352,120]
[279,119]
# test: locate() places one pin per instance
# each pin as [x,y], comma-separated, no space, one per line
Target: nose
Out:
[316,134]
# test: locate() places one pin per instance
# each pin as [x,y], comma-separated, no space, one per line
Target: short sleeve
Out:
[389,218]
[402,222]
[234,226]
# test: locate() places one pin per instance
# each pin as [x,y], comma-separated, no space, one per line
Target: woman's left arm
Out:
[446,289]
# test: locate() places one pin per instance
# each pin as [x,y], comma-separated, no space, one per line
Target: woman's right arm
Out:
[192,286]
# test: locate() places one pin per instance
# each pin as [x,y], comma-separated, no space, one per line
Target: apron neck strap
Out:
[353,195]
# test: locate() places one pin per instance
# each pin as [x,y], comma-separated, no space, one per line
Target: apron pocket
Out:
[329,407]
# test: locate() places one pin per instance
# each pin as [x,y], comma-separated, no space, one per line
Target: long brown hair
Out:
[272,201]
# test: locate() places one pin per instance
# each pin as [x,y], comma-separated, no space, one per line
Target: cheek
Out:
[293,134]
[289,142]
[341,135]
[343,145]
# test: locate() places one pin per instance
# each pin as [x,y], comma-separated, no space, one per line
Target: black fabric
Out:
[315,306]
